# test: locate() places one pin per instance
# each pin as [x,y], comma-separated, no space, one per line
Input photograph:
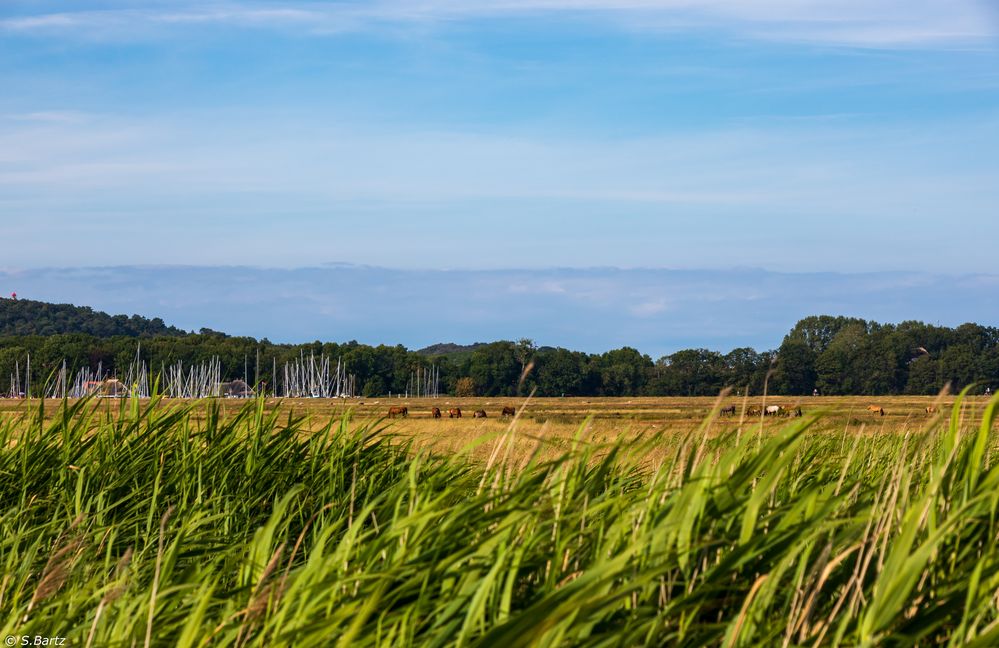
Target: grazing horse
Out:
[454,412]
[754,411]
[479,414]
[876,409]
[435,412]
[729,411]
[792,411]
[773,410]
[930,409]
[508,411]
[398,411]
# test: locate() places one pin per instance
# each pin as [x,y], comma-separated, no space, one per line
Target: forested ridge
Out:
[28,317]
[835,355]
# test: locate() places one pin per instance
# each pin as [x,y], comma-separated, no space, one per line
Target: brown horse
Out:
[930,409]
[876,409]
[398,411]
[754,411]
[479,414]
[435,412]
[727,411]
[508,411]
[454,412]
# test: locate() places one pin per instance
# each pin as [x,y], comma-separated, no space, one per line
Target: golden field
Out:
[555,422]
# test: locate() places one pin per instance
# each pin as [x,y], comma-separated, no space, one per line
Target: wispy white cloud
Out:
[789,167]
[48,116]
[135,24]
[874,23]
[649,308]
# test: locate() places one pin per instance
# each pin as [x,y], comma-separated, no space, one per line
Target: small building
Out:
[109,388]
[236,389]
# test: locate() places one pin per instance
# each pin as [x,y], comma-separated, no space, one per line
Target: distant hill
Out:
[450,349]
[27,317]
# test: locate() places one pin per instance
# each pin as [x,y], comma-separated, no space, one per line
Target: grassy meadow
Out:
[560,420]
[601,522]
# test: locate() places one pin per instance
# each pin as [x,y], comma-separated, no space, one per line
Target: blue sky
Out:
[790,135]
[595,309]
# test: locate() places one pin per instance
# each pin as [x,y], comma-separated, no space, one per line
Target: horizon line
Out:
[346,265]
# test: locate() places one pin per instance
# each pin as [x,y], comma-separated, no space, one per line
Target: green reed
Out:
[176,525]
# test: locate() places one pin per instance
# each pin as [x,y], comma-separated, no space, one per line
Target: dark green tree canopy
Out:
[27,317]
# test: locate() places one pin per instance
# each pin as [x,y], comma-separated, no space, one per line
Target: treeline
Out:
[843,355]
[27,317]
[836,355]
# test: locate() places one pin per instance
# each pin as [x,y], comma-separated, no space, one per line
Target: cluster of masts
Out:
[312,377]
[200,381]
[305,377]
[17,390]
[424,383]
